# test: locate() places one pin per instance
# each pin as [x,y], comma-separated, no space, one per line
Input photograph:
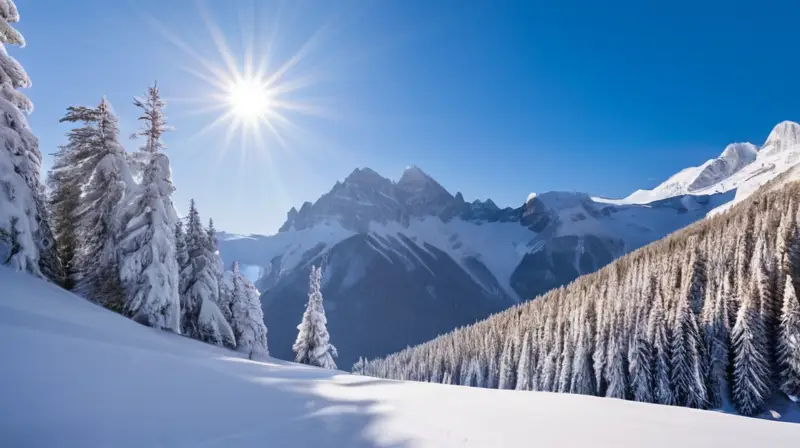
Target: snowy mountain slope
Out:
[82,376]
[411,253]
[741,168]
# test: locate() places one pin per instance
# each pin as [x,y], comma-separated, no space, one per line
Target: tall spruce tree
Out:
[313,345]
[108,182]
[148,260]
[201,317]
[751,372]
[658,337]
[26,239]
[65,180]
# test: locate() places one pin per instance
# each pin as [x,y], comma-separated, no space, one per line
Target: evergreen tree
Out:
[717,337]
[65,180]
[751,372]
[583,380]
[248,318]
[148,256]
[659,340]
[109,182]
[616,371]
[201,317]
[313,345]
[508,374]
[640,366]
[148,261]
[687,374]
[789,341]
[493,360]
[524,368]
[26,240]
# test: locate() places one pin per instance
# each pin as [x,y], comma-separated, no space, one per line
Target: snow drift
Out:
[77,375]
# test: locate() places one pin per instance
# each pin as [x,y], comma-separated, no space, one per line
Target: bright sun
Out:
[254,95]
[249,98]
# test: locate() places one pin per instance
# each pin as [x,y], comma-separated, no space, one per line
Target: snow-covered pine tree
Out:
[583,380]
[567,354]
[201,318]
[751,372]
[601,337]
[313,345]
[26,240]
[65,180]
[108,182]
[657,335]
[525,366]
[508,368]
[248,318]
[492,353]
[640,365]
[616,372]
[148,261]
[717,339]
[789,341]
[687,360]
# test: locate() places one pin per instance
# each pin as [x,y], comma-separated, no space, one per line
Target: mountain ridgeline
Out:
[704,318]
[411,253]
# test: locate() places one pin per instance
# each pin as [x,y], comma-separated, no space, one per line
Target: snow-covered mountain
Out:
[742,167]
[406,261]
[77,375]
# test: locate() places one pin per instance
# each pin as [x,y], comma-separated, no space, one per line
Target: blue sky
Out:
[493,99]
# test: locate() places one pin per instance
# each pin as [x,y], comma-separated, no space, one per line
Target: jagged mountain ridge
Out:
[412,254]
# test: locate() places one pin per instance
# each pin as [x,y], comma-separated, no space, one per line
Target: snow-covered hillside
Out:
[76,375]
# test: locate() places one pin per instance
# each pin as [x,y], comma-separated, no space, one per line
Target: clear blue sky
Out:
[493,98]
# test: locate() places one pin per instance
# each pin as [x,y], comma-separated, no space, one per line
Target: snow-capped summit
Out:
[785,135]
[708,178]
[742,167]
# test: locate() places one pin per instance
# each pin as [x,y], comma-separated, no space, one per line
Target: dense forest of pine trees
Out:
[707,315]
[106,227]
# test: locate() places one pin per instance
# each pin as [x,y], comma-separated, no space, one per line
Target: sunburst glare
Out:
[249,98]
[258,102]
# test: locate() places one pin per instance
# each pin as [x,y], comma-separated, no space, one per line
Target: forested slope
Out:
[704,317]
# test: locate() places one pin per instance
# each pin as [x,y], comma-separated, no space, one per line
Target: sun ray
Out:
[252,93]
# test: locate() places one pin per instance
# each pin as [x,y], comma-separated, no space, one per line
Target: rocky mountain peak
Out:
[367,177]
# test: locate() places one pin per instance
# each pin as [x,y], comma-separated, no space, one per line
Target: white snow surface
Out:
[77,375]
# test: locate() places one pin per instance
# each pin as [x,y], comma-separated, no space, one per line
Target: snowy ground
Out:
[75,375]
